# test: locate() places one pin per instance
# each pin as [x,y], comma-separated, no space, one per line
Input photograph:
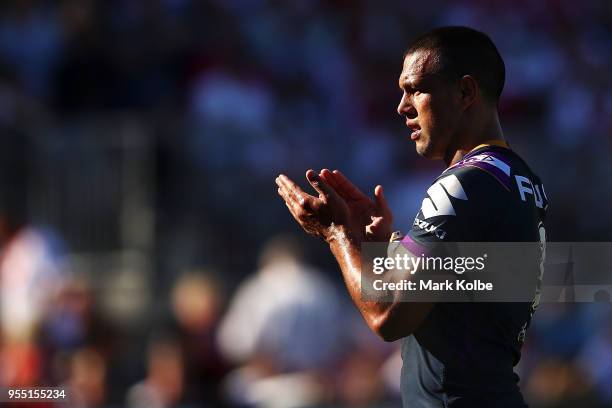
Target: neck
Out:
[490,132]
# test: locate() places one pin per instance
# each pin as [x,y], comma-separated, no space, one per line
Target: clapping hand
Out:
[339,202]
[316,215]
[370,218]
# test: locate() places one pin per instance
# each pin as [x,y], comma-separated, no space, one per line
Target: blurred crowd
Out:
[145,258]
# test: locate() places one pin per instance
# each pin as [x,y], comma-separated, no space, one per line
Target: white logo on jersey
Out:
[526,186]
[424,225]
[438,203]
[490,160]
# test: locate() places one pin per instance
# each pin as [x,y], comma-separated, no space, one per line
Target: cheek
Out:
[441,115]
[425,110]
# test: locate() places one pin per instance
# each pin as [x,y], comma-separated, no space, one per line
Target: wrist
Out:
[339,233]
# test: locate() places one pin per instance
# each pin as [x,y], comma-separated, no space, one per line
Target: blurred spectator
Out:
[269,329]
[31,274]
[196,301]
[86,386]
[163,385]
[31,271]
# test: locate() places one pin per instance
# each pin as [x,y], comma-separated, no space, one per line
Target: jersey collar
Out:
[492,142]
[487,143]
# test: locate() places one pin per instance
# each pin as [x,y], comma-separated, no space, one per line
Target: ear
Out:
[470,91]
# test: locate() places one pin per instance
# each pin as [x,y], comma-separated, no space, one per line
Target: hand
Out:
[370,219]
[314,214]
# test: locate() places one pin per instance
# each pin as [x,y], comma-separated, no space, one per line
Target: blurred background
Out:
[146,259]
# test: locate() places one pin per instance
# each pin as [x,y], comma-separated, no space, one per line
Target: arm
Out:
[390,320]
[328,216]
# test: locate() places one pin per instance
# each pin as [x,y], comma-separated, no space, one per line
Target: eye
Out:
[409,90]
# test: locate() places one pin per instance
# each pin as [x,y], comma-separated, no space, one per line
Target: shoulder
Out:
[485,192]
[512,175]
[492,168]
[467,188]
[458,205]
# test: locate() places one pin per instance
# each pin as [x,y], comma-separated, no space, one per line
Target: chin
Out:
[425,150]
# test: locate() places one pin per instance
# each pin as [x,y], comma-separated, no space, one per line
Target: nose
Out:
[405,107]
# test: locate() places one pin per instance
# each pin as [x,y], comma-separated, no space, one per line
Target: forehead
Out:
[418,64]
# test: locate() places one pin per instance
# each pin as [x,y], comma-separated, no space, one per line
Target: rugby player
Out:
[455,354]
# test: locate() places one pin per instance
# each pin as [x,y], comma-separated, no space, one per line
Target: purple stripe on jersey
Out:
[497,173]
[491,162]
[414,247]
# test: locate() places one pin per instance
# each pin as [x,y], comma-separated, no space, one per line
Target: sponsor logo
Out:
[525,186]
[426,226]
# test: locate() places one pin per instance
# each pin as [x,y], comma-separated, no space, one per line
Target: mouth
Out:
[416,130]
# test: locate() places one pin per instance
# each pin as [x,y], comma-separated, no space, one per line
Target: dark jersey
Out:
[463,354]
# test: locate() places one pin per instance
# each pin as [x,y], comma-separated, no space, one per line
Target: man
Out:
[455,354]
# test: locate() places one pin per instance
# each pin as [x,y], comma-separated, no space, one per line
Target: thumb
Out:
[318,184]
[381,201]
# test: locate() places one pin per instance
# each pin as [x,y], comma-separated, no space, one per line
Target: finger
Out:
[286,198]
[324,190]
[349,189]
[286,183]
[381,201]
[334,183]
[328,177]
[297,211]
[292,190]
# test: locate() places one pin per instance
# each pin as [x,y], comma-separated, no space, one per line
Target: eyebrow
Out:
[404,82]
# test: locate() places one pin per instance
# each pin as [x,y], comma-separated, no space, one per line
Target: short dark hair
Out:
[465,51]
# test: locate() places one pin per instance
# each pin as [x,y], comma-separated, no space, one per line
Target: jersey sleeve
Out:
[467,204]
